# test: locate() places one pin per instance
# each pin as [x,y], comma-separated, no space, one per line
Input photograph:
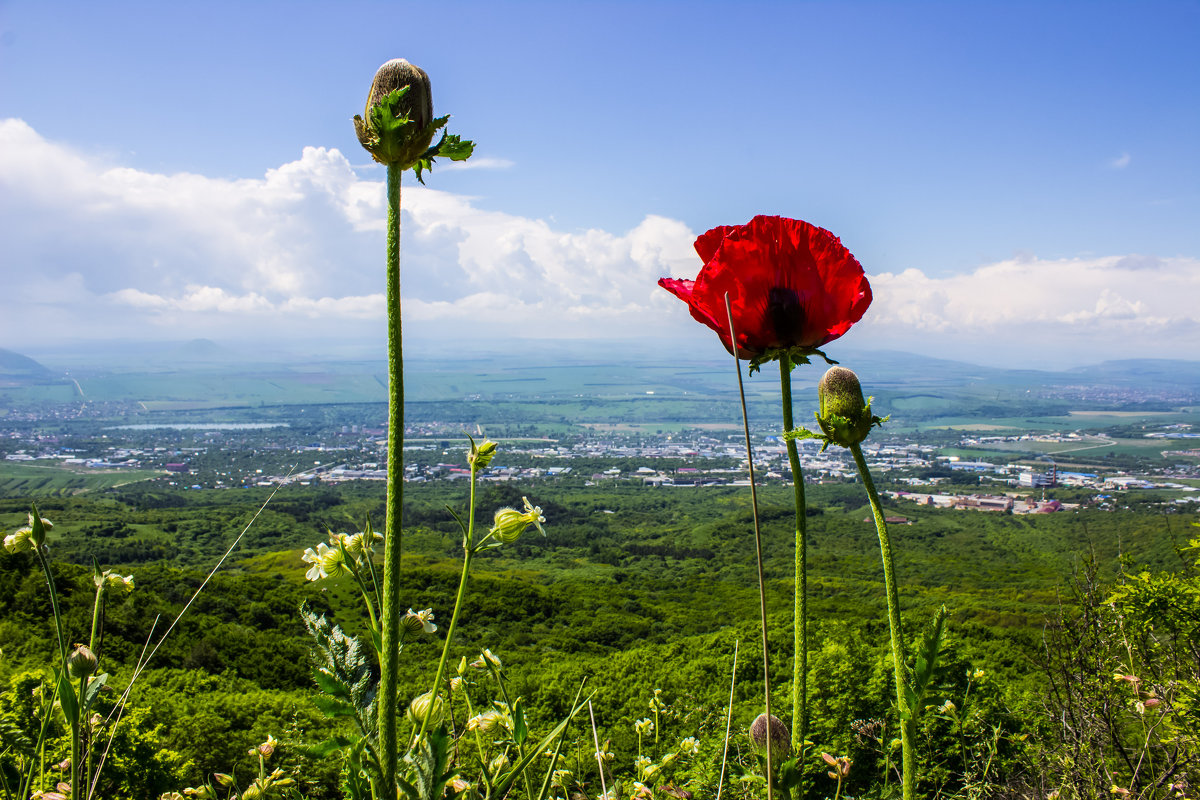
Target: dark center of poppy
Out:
[787,315]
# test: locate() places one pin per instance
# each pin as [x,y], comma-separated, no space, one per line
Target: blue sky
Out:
[1011,175]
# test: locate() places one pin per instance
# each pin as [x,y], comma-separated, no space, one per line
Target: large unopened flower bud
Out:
[398,125]
[82,662]
[777,737]
[419,707]
[845,416]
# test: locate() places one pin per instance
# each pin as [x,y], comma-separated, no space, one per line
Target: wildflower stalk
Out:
[800,625]
[468,552]
[908,764]
[392,548]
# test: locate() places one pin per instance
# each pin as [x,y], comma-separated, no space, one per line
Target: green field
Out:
[50,479]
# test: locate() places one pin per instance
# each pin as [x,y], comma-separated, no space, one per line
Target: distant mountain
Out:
[18,370]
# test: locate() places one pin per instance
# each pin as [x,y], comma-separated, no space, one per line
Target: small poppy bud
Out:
[400,91]
[82,662]
[420,707]
[780,740]
[844,416]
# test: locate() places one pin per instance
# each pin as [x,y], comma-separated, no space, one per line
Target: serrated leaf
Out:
[924,668]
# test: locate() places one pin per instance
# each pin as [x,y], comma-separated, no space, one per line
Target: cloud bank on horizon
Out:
[96,250]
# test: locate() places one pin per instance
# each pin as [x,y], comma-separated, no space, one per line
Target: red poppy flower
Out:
[792,286]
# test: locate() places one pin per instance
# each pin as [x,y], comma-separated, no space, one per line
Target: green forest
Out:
[639,597]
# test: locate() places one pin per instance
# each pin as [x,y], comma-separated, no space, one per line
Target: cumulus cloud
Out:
[101,250]
[299,250]
[1092,307]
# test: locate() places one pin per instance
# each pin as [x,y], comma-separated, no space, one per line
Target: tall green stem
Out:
[800,626]
[389,668]
[909,773]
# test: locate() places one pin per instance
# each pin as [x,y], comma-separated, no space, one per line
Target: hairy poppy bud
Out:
[780,739]
[844,416]
[82,662]
[398,125]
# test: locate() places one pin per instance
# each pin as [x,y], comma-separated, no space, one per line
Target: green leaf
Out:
[520,729]
[506,782]
[66,695]
[925,667]
[93,689]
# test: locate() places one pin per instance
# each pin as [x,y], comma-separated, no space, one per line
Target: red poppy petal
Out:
[708,242]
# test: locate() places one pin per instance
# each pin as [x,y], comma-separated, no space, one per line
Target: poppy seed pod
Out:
[845,416]
[379,130]
[82,662]
[780,739]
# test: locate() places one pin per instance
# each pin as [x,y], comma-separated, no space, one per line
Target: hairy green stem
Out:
[908,767]
[800,625]
[390,661]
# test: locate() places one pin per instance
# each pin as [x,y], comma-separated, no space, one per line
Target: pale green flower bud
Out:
[509,524]
[486,659]
[845,416]
[19,541]
[486,721]
[419,707]
[481,455]
[82,662]
[780,739]
[415,622]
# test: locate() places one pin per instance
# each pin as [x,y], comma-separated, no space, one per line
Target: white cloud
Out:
[98,250]
[1120,162]
[1093,308]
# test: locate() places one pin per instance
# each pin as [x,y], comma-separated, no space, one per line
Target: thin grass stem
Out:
[728,721]
[762,587]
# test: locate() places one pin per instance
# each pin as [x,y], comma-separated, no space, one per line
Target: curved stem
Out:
[909,771]
[800,626]
[389,667]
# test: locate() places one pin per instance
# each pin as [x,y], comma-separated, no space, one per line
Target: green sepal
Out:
[451,146]
[38,536]
[796,355]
